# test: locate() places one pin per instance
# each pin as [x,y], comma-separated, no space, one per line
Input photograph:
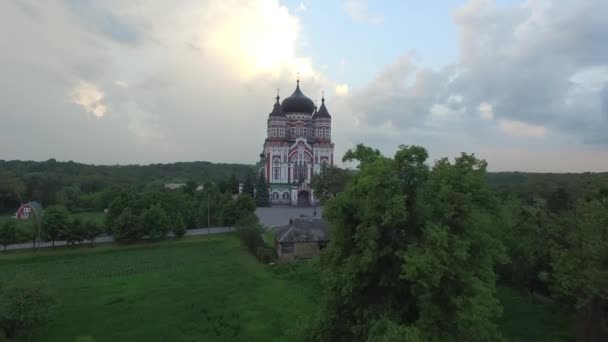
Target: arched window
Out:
[327,132]
[293,131]
[275,195]
[305,131]
[286,196]
[274,131]
[299,131]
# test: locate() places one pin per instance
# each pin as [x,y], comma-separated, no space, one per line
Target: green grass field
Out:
[196,289]
[200,289]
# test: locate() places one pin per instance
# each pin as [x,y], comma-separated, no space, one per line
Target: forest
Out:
[82,187]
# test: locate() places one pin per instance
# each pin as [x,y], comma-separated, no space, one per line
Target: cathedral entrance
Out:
[303,198]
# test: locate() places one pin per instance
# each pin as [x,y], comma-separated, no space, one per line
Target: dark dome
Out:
[277,111]
[322,112]
[298,103]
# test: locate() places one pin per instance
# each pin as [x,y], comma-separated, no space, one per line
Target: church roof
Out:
[322,112]
[277,110]
[298,102]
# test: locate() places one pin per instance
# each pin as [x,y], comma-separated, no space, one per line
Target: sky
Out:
[522,84]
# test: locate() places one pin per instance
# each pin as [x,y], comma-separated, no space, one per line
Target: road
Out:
[108,238]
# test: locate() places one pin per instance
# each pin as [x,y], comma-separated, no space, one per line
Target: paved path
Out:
[108,238]
[279,216]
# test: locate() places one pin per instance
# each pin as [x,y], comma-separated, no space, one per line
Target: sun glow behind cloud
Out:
[89,97]
[256,39]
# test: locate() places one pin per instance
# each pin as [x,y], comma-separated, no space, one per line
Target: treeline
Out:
[133,215]
[417,250]
[82,187]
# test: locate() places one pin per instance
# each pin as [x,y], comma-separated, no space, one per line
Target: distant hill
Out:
[93,186]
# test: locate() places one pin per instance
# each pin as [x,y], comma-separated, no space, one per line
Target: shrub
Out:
[24,305]
[179,227]
[265,254]
[251,237]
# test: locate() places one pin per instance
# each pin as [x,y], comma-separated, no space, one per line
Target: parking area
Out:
[279,216]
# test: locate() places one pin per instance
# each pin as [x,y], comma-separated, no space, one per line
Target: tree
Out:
[235,210]
[24,305]
[124,199]
[74,231]
[127,227]
[233,184]
[262,197]
[8,233]
[329,182]
[55,222]
[179,227]
[155,222]
[579,276]
[412,253]
[11,190]
[190,187]
[249,186]
[91,231]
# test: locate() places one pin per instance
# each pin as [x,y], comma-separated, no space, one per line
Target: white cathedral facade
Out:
[297,146]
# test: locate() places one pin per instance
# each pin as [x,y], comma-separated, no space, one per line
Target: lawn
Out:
[196,289]
[202,289]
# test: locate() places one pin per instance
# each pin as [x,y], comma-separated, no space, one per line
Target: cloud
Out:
[172,82]
[518,128]
[302,7]
[486,110]
[357,10]
[89,97]
[342,89]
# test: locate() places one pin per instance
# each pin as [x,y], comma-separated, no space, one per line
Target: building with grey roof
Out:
[302,238]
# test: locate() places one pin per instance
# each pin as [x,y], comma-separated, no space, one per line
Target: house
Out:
[29,210]
[173,186]
[303,238]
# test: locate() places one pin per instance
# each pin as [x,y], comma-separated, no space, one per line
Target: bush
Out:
[24,305]
[251,237]
[265,254]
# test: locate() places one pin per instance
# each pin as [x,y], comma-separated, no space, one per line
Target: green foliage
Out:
[329,182]
[412,251]
[74,231]
[251,237]
[8,233]
[91,230]
[55,223]
[179,227]
[262,197]
[11,190]
[249,186]
[154,222]
[190,187]
[127,227]
[579,266]
[23,306]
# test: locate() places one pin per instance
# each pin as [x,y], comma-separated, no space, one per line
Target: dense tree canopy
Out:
[412,253]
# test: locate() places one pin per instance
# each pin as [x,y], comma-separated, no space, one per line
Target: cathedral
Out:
[298,144]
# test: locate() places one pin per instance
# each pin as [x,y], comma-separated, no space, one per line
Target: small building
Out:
[29,210]
[302,238]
